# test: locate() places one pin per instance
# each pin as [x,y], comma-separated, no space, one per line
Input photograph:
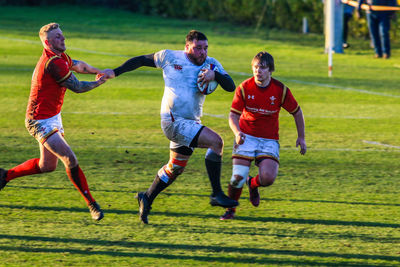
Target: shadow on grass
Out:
[207,196]
[233,229]
[211,216]
[343,258]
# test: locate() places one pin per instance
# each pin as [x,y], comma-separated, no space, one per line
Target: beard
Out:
[196,60]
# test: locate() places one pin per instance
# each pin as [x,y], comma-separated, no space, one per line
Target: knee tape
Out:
[172,170]
[239,175]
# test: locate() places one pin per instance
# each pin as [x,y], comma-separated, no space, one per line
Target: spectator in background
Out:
[347,15]
[379,25]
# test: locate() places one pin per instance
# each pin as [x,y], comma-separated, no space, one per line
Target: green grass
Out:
[336,206]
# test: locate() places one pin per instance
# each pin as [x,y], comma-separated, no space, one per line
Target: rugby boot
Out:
[144,206]
[253,193]
[3,182]
[223,201]
[95,211]
[228,215]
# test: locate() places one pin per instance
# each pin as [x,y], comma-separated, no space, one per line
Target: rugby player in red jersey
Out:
[51,77]
[254,119]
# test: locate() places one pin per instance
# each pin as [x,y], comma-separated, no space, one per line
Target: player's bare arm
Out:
[77,86]
[82,67]
[300,125]
[234,124]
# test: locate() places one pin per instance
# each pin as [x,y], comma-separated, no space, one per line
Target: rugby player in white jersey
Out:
[181,109]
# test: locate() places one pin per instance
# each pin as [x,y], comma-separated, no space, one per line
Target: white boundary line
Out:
[220,116]
[325,85]
[69,47]
[233,72]
[380,144]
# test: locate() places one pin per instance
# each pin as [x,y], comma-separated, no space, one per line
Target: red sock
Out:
[255,182]
[29,167]
[234,193]
[78,179]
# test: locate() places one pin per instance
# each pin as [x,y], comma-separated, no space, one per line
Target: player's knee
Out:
[48,167]
[218,145]
[267,178]
[168,173]
[239,175]
[177,170]
[70,162]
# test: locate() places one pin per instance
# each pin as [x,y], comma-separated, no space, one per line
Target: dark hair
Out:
[195,35]
[264,58]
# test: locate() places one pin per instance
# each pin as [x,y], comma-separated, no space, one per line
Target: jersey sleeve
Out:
[58,68]
[289,103]
[218,65]
[238,100]
[160,58]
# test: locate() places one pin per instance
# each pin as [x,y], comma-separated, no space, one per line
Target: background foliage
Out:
[270,14]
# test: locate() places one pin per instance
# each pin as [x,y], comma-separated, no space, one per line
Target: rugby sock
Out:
[234,193]
[156,187]
[29,167]
[255,182]
[213,166]
[78,179]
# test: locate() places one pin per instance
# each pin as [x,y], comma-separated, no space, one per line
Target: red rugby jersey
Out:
[259,107]
[47,95]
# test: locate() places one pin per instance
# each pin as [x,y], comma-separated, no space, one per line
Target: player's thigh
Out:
[210,139]
[48,161]
[244,162]
[57,145]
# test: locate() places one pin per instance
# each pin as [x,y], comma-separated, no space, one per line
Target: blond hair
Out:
[44,31]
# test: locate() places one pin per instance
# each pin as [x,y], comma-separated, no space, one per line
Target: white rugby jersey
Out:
[181,96]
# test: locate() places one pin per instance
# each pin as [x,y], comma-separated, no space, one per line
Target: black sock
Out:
[156,188]
[213,166]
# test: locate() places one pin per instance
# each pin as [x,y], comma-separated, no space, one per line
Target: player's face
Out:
[261,73]
[197,51]
[56,40]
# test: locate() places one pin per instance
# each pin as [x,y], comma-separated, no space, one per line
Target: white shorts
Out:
[257,148]
[180,131]
[43,129]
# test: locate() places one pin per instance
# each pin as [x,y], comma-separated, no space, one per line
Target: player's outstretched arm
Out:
[134,63]
[82,67]
[300,125]
[77,86]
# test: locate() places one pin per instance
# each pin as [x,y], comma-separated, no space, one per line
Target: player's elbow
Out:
[229,86]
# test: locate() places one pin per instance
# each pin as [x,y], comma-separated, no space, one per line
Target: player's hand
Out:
[207,76]
[101,78]
[108,73]
[239,138]
[302,143]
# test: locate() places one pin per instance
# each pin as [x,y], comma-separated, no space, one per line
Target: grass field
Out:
[336,206]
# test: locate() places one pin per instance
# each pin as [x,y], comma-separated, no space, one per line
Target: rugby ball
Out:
[212,85]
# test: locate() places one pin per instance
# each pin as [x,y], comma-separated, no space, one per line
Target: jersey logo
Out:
[250,97]
[177,67]
[272,98]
